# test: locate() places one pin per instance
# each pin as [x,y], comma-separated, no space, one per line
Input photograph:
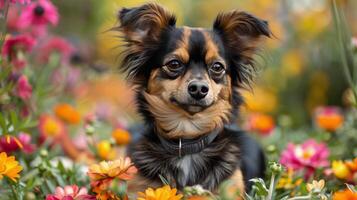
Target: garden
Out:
[66,109]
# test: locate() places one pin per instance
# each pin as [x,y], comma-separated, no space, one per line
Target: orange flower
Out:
[67,113]
[340,169]
[103,173]
[352,165]
[345,195]
[197,197]
[9,167]
[261,123]
[105,150]
[163,193]
[50,126]
[329,118]
[121,136]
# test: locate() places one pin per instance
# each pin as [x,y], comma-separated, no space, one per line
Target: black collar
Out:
[183,147]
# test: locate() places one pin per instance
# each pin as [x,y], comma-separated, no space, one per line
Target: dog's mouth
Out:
[192,107]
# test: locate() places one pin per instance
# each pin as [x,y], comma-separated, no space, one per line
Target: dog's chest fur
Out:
[209,168]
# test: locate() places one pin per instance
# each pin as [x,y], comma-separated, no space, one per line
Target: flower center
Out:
[39,10]
[51,127]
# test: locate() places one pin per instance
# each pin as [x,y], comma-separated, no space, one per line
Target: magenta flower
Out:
[39,14]
[70,193]
[2,2]
[307,156]
[56,45]
[22,141]
[14,46]
[23,88]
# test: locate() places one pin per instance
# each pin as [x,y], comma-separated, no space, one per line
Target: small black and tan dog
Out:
[187,82]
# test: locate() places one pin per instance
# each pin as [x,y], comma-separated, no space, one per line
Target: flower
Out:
[308,156]
[315,186]
[340,169]
[23,88]
[329,118]
[352,164]
[9,167]
[56,44]
[103,173]
[260,123]
[2,2]
[345,195]
[70,192]
[39,14]
[22,141]
[105,150]
[14,46]
[121,136]
[287,182]
[67,113]
[261,100]
[354,42]
[163,193]
[50,126]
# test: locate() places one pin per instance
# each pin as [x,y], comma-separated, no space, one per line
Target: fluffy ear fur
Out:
[142,28]
[241,33]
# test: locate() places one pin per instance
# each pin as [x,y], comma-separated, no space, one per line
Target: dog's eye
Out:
[217,68]
[174,65]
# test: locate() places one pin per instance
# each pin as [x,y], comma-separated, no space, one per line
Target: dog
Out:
[187,83]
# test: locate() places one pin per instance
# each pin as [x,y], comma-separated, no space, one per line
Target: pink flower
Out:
[70,193]
[59,45]
[354,42]
[39,14]
[23,88]
[2,2]
[14,46]
[22,141]
[307,156]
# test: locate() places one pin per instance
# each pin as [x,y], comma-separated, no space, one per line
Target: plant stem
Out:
[3,33]
[13,191]
[300,197]
[271,187]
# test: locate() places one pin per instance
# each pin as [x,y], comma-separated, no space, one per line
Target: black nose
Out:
[197,89]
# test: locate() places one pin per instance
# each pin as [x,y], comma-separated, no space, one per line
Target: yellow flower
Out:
[105,150]
[121,136]
[287,182]
[340,169]
[163,193]
[9,167]
[260,100]
[67,113]
[316,186]
[103,173]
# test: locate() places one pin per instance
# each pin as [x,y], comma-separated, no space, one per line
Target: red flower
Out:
[22,141]
[2,2]
[261,123]
[14,46]
[59,45]
[23,88]
[39,14]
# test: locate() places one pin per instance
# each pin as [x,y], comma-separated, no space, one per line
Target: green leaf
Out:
[259,186]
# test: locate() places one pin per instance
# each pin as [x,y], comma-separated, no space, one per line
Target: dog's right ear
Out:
[145,22]
[142,28]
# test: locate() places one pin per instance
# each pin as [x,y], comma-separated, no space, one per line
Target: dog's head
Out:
[187,78]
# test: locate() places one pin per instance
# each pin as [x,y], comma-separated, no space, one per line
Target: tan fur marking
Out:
[212,49]
[175,122]
[182,50]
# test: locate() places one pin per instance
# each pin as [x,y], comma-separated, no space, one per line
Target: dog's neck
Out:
[182,147]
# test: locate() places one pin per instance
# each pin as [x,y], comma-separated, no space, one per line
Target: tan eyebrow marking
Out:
[182,50]
[211,48]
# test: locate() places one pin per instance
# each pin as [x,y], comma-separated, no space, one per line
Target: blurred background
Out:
[299,69]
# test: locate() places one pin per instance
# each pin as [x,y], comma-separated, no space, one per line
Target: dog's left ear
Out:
[241,33]
[142,28]
[145,22]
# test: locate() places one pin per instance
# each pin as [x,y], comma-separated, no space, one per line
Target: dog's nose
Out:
[198,89]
